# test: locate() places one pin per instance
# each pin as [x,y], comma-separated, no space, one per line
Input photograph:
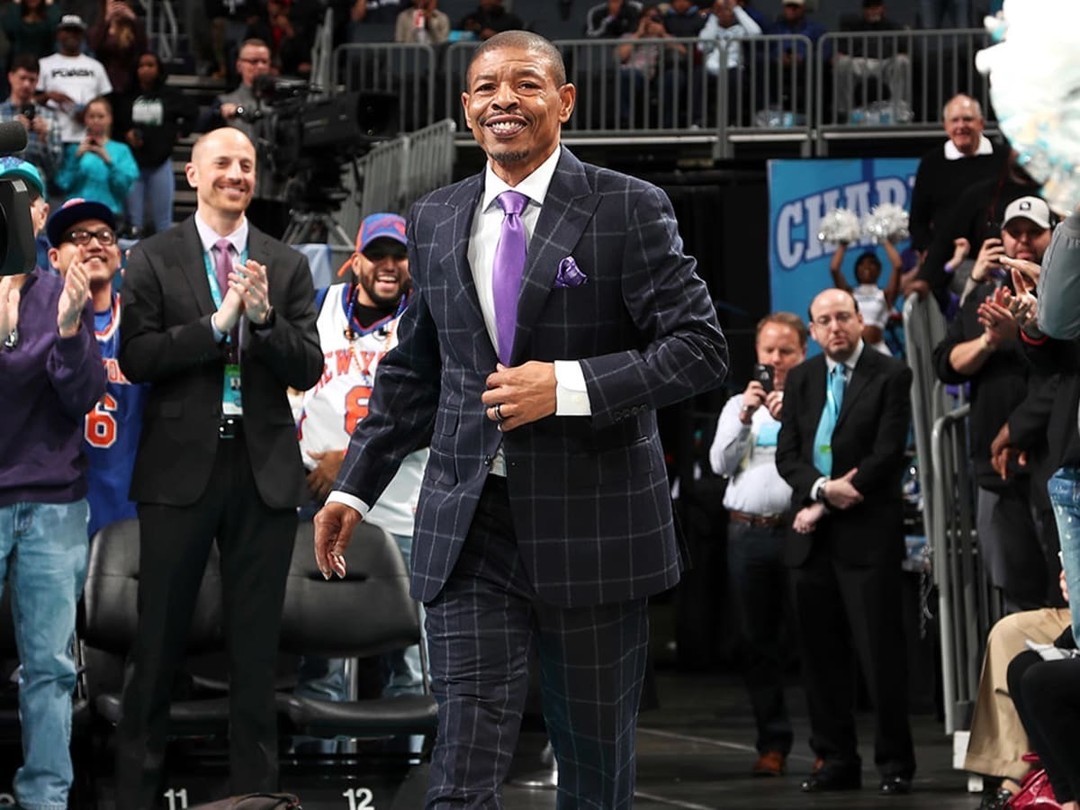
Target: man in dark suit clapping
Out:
[219,319]
[554,312]
[841,448]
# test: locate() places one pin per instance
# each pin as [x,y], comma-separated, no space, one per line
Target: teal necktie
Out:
[823,438]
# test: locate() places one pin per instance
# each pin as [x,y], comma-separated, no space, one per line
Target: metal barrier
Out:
[162,28]
[882,84]
[395,173]
[893,83]
[405,71]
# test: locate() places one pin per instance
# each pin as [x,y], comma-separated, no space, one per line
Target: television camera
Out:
[17,250]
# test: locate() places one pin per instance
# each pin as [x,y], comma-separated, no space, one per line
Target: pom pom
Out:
[840,225]
[886,222]
[1035,88]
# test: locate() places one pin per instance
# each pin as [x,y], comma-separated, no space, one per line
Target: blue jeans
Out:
[1064,490]
[43,555]
[159,187]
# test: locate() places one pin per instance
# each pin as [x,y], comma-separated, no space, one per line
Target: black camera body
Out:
[18,253]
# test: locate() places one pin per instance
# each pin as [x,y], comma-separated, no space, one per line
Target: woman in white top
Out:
[875,304]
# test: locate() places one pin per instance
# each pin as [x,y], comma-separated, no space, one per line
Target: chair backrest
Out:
[367,613]
[111,595]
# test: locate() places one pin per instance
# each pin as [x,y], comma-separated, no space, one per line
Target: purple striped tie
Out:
[508,269]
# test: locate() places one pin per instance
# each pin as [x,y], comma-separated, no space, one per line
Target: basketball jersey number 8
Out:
[356,406]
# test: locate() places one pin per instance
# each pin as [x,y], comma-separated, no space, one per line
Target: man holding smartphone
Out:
[758,501]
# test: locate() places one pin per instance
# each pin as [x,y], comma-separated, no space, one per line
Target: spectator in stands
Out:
[99,168]
[228,21]
[875,51]
[841,448]
[117,39]
[52,375]
[943,14]
[358,321]
[875,304]
[720,40]
[43,146]
[489,19]
[683,19]
[30,27]
[289,31]
[612,19]
[946,171]
[219,320]
[375,12]
[641,63]
[69,79]
[758,501]
[974,217]
[151,118]
[423,23]
[981,347]
[85,232]
[793,55]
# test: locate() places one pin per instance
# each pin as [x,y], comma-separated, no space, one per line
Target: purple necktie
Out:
[223,265]
[508,269]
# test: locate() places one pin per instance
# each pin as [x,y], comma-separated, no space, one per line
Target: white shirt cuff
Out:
[815,490]
[349,500]
[571,395]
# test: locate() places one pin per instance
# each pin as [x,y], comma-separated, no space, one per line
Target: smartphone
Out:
[764,374]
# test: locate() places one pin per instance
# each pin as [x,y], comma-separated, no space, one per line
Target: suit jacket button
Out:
[487,461]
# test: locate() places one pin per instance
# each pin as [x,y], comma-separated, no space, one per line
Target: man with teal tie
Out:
[841,448]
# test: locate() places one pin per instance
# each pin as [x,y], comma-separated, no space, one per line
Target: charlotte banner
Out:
[801,193]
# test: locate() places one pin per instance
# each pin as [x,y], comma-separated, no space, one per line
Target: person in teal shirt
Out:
[98,168]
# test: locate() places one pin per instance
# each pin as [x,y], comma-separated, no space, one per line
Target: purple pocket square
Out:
[569,274]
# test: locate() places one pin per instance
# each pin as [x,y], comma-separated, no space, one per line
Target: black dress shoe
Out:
[825,779]
[895,786]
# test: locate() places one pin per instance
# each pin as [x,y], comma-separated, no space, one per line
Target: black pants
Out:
[1047,698]
[255,545]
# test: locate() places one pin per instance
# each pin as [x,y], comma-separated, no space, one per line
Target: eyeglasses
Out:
[105,237]
[255,61]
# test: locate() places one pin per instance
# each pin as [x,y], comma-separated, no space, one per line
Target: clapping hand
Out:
[249,281]
[9,306]
[73,299]
[996,319]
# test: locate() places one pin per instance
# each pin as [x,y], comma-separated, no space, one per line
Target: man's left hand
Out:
[73,298]
[774,403]
[519,395]
[253,289]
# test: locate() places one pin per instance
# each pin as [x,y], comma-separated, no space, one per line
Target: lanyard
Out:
[211,275]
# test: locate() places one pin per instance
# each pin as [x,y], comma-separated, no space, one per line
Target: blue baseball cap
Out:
[380,226]
[74,211]
[13,167]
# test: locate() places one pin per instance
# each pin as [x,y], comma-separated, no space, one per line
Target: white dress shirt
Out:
[746,455]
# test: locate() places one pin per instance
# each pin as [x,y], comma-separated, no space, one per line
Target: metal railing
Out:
[894,82]
[692,91]
[162,28]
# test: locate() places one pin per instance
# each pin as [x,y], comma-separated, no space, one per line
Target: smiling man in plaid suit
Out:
[555,311]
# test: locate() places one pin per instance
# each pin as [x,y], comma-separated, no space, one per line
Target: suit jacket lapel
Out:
[452,235]
[190,263]
[568,208]
[861,375]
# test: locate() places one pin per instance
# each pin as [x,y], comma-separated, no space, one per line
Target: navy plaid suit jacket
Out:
[590,499]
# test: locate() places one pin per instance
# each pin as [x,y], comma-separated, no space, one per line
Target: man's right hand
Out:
[334,525]
[228,314]
[9,306]
[989,259]
[228,110]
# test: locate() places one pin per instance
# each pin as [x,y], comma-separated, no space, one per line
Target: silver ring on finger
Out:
[498,412]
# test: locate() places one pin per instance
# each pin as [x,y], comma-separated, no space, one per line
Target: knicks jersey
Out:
[338,402]
[112,430]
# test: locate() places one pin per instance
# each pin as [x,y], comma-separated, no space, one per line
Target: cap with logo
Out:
[1033,208]
[72,21]
[377,226]
[13,167]
[74,211]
